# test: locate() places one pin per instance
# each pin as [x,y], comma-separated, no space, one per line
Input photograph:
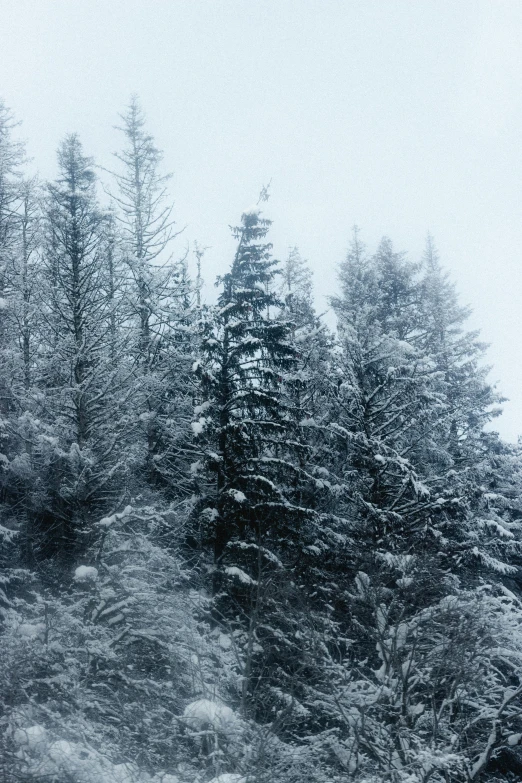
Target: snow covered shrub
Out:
[440,696]
[107,660]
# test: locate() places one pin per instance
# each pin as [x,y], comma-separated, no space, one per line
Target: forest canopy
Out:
[237,545]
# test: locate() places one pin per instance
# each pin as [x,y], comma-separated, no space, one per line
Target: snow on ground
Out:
[32,630]
[60,759]
[31,738]
[240,574]
[204,712]
[229,777]
[85,574]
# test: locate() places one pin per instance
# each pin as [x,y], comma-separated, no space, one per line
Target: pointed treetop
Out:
[431,256]
[12,153]
[297,279]
[76,170]
[141,147]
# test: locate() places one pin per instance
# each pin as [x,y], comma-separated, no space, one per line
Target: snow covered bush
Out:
[115,657]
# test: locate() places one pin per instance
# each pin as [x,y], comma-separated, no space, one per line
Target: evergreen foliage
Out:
[160,305]
[236,547]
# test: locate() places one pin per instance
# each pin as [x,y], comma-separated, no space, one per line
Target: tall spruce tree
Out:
[147,226]
[160,305]
[458,355]
[250,508]
[80,386]
[244,355]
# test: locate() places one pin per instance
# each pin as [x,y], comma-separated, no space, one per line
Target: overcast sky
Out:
[402,117]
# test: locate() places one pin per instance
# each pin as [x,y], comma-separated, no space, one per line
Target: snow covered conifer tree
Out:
[146,223]
[12,155]
[312,340]
[458,355]
[357,284]
[249,505]
[80,385]
[245,354]
[75,274]
[383,396]
[310,384]
[22,284]
[11,159]
[296,284]
[397,396]
[159,297]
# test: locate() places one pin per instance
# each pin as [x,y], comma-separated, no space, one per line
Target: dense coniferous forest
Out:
[235,546]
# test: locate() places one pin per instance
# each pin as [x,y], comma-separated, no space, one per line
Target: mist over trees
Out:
[236,546]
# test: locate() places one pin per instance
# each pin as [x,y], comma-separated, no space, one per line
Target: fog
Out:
[400,117]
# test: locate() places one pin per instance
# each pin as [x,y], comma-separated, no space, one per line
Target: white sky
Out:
[402,116]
